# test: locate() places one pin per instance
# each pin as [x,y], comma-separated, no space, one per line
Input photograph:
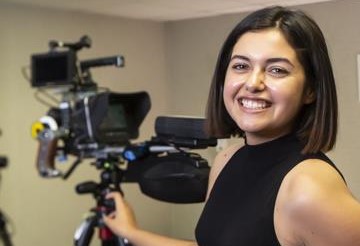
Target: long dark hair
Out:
[317,122]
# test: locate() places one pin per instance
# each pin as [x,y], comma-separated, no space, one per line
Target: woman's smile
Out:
[254,104]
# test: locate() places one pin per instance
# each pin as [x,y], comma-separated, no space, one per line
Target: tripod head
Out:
[110,179]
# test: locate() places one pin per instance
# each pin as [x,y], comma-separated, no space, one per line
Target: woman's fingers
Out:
[122,219]
[118,199]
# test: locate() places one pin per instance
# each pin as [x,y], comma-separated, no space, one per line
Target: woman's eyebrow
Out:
[240,57]
[279,59]
[268,61]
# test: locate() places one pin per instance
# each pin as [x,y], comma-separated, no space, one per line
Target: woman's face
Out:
[264,85]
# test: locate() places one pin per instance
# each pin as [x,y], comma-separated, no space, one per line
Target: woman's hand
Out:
[122,221]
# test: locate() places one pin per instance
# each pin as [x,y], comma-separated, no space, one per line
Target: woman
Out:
[273,85]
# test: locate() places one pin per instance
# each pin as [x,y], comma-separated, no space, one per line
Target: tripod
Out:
[4,234]
[111,177]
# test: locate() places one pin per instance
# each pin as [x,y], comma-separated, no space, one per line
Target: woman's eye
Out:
[278,71]
[240,66]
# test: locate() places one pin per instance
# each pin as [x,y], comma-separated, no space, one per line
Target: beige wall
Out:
[174,62]
[46,212]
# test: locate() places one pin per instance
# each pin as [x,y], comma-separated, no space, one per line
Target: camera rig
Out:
[92,123]
[89,122]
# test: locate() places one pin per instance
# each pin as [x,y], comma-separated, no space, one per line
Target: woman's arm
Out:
[316,208]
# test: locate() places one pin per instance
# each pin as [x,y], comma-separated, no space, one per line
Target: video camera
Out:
[100,124]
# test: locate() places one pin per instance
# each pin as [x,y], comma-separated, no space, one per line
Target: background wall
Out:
[46,212]
[173,61]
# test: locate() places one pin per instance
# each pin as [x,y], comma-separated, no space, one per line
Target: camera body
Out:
[100,120]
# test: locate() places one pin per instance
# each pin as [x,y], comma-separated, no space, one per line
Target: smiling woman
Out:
[302,43]
[264,85]
[273,84]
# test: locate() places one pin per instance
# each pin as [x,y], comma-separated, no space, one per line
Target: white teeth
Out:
[253,104]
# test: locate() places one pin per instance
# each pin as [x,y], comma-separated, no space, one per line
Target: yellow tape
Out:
[36,128]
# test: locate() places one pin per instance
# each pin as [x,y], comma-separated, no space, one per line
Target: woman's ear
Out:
[309,96]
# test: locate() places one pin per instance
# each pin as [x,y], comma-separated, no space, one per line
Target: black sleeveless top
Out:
[240,208]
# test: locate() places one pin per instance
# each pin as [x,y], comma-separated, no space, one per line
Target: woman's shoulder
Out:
[220,161]
[225,155]
[314,201]
[311,178]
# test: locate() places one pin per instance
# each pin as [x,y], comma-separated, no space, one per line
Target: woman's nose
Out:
[255,81]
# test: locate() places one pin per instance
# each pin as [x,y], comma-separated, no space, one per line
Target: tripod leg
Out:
[85,231]
[123,242]
[4,235]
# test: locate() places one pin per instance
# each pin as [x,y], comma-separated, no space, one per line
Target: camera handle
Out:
[111,177]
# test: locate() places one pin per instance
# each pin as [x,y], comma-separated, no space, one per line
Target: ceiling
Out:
[160,10]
